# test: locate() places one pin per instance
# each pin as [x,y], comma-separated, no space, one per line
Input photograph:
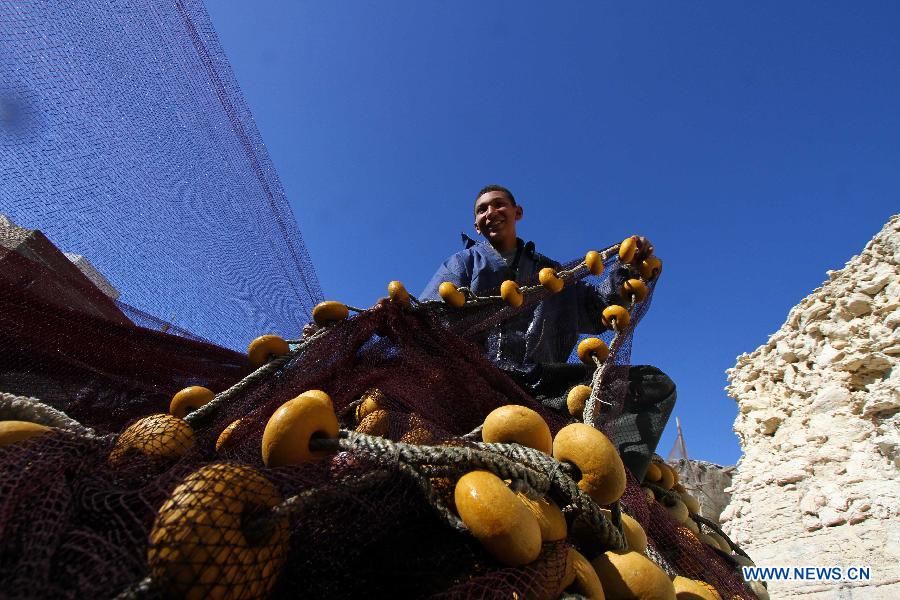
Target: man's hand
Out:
[644,249]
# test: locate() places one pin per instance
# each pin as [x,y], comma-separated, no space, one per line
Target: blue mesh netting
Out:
[124,137]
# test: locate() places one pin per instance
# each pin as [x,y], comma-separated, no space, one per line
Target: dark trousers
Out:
[647,405]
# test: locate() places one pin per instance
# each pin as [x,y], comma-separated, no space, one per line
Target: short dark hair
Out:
[496,188]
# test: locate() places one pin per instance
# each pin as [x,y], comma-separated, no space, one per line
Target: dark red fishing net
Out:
[156,510]
[97,366]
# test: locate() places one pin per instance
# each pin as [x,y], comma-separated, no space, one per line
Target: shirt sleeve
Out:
[455,269]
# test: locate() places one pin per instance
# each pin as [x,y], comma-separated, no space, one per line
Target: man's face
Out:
[495,218]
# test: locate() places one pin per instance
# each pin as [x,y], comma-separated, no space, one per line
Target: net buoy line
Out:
[256,376]
[330,312]
[579,271]
[439,461]
[529,471]
[33,410]
[591,410]
[664,493]
[603,368]
[36,411]
[562,480]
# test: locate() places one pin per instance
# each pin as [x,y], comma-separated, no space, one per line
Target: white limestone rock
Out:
[819,425]
[829,399]
[859,304]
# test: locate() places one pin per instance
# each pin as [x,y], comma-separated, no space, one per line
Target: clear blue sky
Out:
[756,145]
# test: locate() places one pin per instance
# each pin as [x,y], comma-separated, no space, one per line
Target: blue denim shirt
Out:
[544,333]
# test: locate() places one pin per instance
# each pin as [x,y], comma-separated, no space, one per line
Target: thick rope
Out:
[457,459]
[420,463]
[531,471]
[592,411]
[563,484]
[22,408]
[474,435]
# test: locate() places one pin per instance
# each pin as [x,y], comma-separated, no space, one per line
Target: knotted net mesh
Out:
[125,138]
[120,120]
[139,503]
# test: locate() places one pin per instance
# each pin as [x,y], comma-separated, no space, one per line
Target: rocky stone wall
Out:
[819,481]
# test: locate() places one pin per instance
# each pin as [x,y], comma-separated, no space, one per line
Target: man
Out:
[540,339]
[533,346]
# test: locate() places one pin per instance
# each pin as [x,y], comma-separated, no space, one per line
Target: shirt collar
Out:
[469,242]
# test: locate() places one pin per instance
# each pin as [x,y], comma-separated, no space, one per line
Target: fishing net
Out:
[125,138]
[120,498]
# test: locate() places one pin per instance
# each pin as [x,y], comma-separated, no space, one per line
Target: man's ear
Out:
[477,230]
[519,212]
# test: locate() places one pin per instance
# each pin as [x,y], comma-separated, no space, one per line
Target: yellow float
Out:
[615,317]
[266,347]
[594,262]
[199,546]
[590,348]
[397,292]
[497,518]
[634,290]
[452,296]
[628,249]
[692,589]
[509,292]
[224,439]
[189,399]
[289,430]
[517,424]
[161,435]
[650,268]
[602,471]
[632,575]
[329,311]
[576,400]
[12,432]
[550,280]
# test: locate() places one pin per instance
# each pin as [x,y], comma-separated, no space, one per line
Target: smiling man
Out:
[533,346]
[496,213]
[537,336]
